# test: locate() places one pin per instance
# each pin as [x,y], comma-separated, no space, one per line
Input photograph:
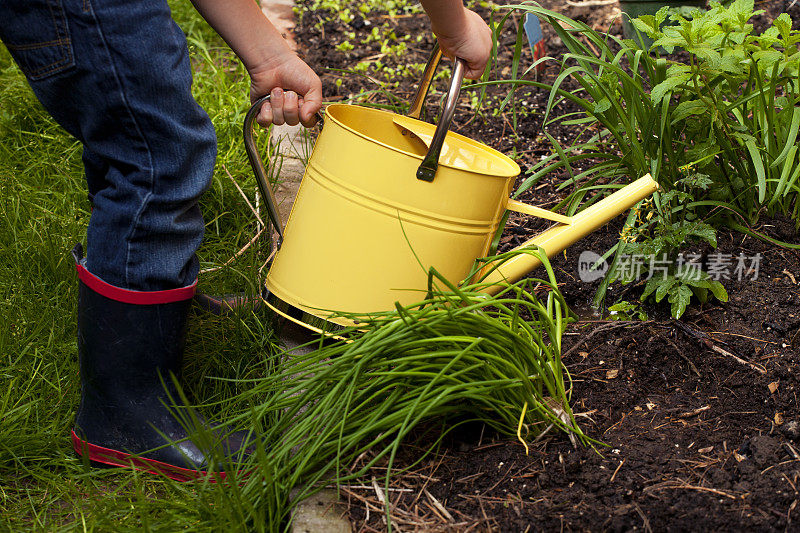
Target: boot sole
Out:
[107,456]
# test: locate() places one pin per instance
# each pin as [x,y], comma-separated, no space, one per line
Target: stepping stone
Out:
[321,513]
[292,141]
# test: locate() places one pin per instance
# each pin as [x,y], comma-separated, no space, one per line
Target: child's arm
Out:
[461,33]
[274,69]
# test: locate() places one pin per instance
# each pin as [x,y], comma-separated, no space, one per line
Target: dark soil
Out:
[700,415]
[701,418]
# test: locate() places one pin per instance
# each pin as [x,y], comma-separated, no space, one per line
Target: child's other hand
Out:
[295,91]
[471,41]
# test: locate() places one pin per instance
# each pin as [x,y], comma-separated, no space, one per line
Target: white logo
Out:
[586,266]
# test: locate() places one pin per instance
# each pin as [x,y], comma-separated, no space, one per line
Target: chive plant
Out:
[457,356]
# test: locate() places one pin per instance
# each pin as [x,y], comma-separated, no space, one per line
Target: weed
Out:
[658,241]
[625,310]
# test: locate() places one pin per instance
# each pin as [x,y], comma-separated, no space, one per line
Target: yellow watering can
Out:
[385,196]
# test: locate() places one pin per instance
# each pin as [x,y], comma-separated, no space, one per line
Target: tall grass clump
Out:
[716,127]
[457,356]
[729,111]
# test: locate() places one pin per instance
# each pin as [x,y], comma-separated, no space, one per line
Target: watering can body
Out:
[364,230]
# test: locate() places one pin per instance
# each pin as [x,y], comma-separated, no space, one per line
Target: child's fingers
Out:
[290,107]
[264,117]
[472,73]
[276,102]
[291,111]
[311,104]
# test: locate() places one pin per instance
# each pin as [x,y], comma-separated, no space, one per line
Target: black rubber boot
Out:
[130,345]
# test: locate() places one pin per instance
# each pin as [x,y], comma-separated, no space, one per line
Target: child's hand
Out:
[295,91]
[469,38]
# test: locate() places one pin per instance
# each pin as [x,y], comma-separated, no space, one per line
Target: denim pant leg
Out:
[116,75]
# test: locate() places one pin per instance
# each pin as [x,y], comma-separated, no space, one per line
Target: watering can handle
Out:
[430,163]
[415,108]
[258,166]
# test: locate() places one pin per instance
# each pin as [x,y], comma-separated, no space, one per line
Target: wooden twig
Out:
[269,258]
[370,487]
[643,516]
[590,45]
[792,451]
[236,255]
[428,479]
[599,329]
[252,241]
[706,341]
[758,368]
[241,192]
[779,464]
[683,356]
[438,505]
[694,412]
[614,475]
[742,336]
[378,491]
[789,481]
[693,487]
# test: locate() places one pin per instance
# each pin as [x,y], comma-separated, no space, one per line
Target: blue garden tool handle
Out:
[430,163]
[258,166]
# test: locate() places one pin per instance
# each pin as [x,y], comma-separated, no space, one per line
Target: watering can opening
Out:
[413,138]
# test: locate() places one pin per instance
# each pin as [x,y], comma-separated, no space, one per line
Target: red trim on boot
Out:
[106,456]
[134,297]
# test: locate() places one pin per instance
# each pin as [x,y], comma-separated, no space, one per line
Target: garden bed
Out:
[700,417]
[700,414]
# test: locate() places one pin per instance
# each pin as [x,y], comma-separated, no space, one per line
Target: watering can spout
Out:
[568,233]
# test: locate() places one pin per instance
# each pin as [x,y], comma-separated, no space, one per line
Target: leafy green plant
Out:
[625,310]
[345,46]
[731,113]
[735,105]
[656,249]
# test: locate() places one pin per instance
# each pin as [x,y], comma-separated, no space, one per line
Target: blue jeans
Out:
[116,75]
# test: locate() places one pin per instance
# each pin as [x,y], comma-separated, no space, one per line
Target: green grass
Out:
[45,210]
